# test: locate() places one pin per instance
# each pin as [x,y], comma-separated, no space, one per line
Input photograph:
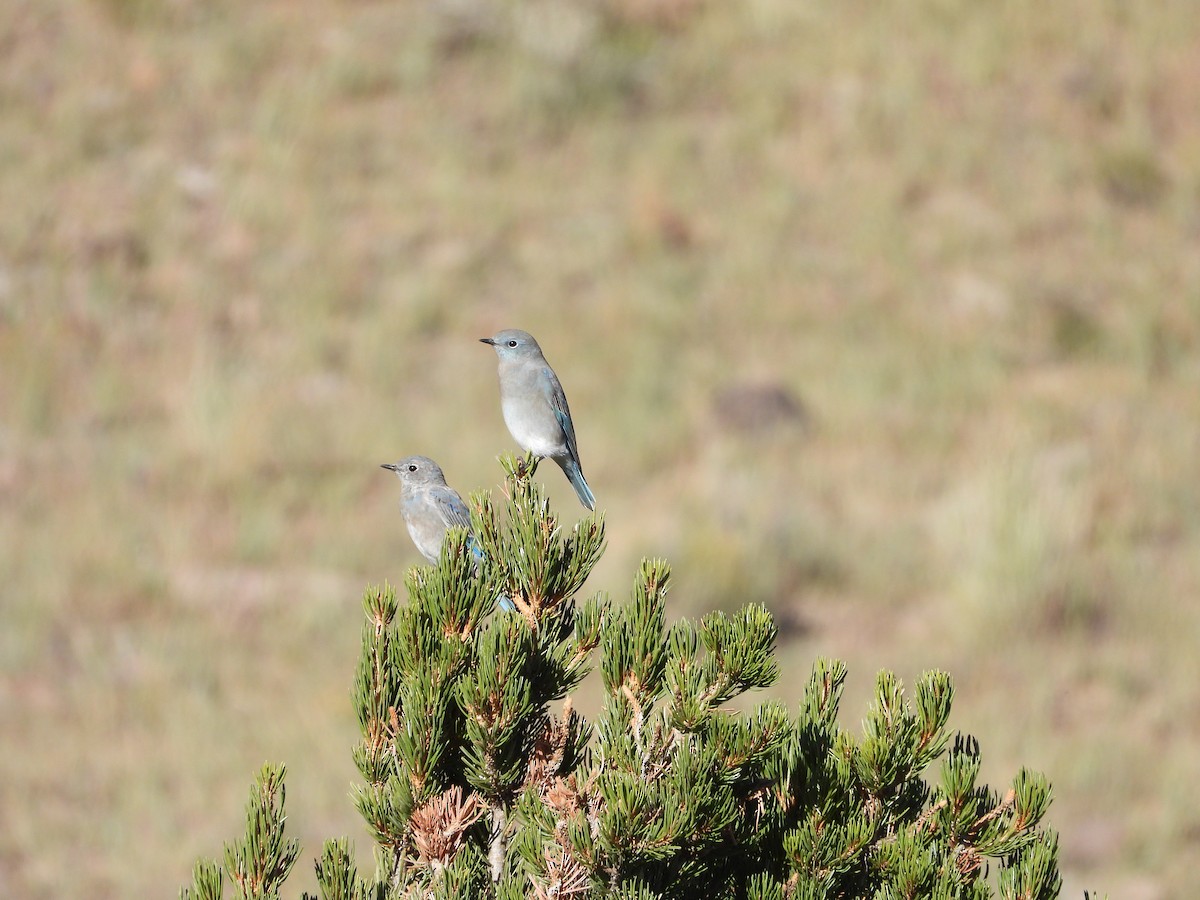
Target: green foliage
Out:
[473,787]
[259,863]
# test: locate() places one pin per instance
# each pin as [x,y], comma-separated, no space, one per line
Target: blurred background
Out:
[889,320]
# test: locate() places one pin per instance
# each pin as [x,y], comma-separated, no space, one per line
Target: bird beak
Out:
[391,466]
[487,341]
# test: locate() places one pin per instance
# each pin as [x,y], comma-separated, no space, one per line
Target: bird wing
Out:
[451,508]
[455,514]
[562,413]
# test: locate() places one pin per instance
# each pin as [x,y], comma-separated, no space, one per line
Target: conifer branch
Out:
[496,847]
[472,786]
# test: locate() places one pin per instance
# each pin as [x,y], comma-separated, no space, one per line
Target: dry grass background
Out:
[888,319]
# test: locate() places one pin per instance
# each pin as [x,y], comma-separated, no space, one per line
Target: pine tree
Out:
[480,779]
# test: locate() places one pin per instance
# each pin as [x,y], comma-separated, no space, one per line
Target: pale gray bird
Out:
[428,504]
[535,407]
[430,507]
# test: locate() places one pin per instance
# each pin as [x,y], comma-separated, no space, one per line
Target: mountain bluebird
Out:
[430,506]
[535,407]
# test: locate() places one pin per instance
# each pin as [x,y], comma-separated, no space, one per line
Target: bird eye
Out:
[412,467]
[512,343]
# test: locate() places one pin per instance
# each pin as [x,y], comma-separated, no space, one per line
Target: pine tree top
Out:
[481,779]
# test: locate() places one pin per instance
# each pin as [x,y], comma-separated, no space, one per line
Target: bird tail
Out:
[477,553]
[476,550]
[575,476]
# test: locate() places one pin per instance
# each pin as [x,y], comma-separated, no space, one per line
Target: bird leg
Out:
[527,467]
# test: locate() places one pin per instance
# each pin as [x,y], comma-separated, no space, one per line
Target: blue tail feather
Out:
[477,553]
[575,476]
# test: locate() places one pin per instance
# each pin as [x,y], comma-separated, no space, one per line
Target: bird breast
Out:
[533,425]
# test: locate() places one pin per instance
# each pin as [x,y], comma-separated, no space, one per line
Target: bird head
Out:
[514,344]
[413,470]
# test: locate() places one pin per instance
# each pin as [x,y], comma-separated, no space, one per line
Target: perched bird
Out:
[430,506]
[535,407]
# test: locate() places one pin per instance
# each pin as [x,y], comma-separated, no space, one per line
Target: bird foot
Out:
[527,467]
